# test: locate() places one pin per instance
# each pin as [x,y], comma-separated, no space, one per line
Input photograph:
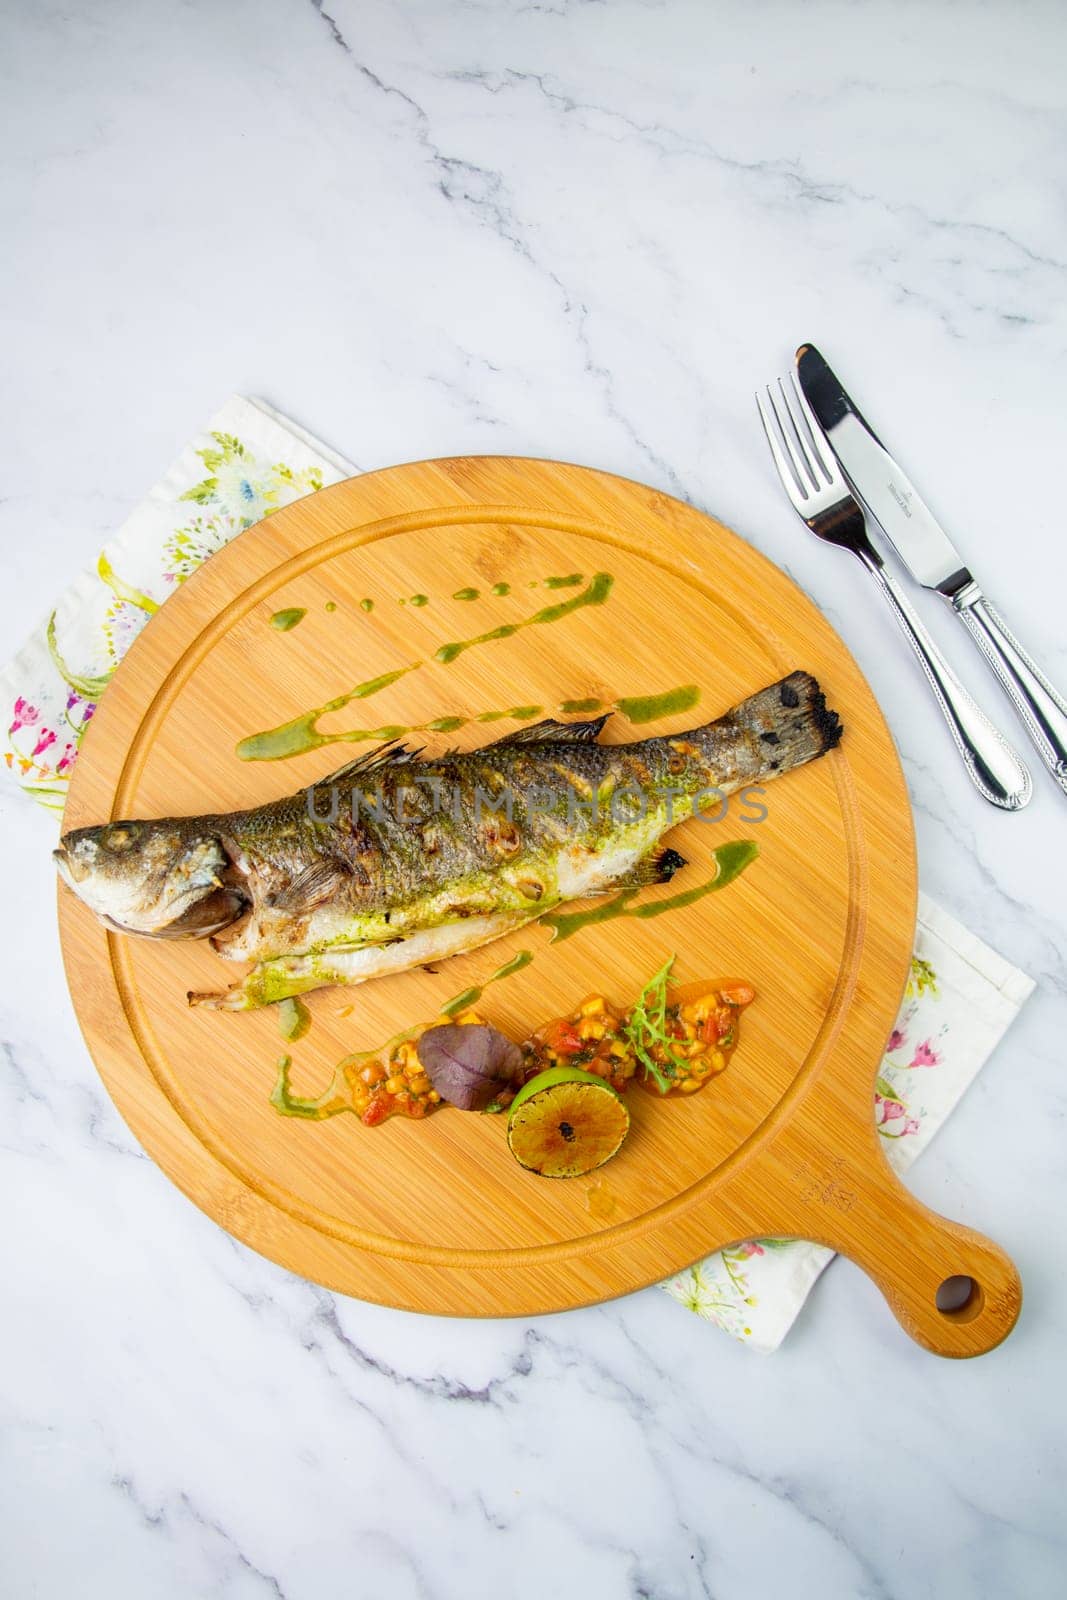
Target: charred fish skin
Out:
[395,860]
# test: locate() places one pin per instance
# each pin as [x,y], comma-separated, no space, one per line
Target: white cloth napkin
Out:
[249,462]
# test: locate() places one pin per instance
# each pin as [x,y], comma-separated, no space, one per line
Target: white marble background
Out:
[580,230]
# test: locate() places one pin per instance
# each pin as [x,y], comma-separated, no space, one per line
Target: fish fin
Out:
[552,732]
[657,866]
[310,888]
[386,755]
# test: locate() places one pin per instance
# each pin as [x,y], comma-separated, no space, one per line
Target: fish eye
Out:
[120,837]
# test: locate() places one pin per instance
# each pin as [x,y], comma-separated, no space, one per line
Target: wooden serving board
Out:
[436,1216]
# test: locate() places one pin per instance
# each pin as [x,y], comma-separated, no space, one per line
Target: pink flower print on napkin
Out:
[925,1055]
[897,1040]
[24,714]
[891,1118]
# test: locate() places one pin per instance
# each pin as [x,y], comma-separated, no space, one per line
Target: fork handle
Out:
[992,765]
[1042,710]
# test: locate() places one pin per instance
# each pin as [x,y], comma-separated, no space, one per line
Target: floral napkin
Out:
[249,462]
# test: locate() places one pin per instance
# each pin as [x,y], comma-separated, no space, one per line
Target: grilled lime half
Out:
[565,1123]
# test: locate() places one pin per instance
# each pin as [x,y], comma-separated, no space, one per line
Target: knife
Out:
[932,559]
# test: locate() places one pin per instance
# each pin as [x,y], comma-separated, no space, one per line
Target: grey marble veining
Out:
[585,231]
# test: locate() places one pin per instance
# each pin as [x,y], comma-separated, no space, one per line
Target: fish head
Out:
[163,880]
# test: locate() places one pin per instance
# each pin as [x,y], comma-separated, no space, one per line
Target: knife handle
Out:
[1043,711]
[992,765]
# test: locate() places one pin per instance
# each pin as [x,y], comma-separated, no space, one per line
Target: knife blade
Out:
[909,524]
[930,556]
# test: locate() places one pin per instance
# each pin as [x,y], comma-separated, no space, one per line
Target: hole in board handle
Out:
[959,1298]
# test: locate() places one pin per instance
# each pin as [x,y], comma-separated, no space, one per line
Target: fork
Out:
[820,496]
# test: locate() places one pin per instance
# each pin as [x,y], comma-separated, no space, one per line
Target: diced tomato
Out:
[725,1018]
[737,993]
[377,1111]
[564,1037]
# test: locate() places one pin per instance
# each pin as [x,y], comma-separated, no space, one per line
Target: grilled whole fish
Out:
[396,861]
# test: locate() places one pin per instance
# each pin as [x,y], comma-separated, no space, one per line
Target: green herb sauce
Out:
[650,707]
[596,594]
[461,1002]
[284,620]
[294,1019]
[730,861]
[293,738]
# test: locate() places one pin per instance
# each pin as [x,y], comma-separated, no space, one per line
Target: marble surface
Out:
[588,231]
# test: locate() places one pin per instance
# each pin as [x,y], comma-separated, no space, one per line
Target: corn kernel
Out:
[420,1084]
[718,1060]
[434,1096]
[689,1085]
[593,1005]
[394,1084]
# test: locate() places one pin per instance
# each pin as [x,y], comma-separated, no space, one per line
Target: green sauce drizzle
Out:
[460,1002]
[294,1019]
[466,594]
[293,738]
[366,605]
[649,707]
[284,620]
[596,594]
[302,733]
[730,861]
[502,588]
[571,581]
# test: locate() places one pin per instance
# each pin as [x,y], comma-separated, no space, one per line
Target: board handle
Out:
[952,1289]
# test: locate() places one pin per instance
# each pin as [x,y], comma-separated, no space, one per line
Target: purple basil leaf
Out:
[468,1063]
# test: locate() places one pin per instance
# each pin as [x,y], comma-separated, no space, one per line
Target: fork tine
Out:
[792,482]
[820,445]
[797,435]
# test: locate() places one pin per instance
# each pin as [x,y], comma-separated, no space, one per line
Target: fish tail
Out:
[791,721]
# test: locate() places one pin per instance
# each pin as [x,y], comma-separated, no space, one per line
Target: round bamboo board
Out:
[436,1216]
